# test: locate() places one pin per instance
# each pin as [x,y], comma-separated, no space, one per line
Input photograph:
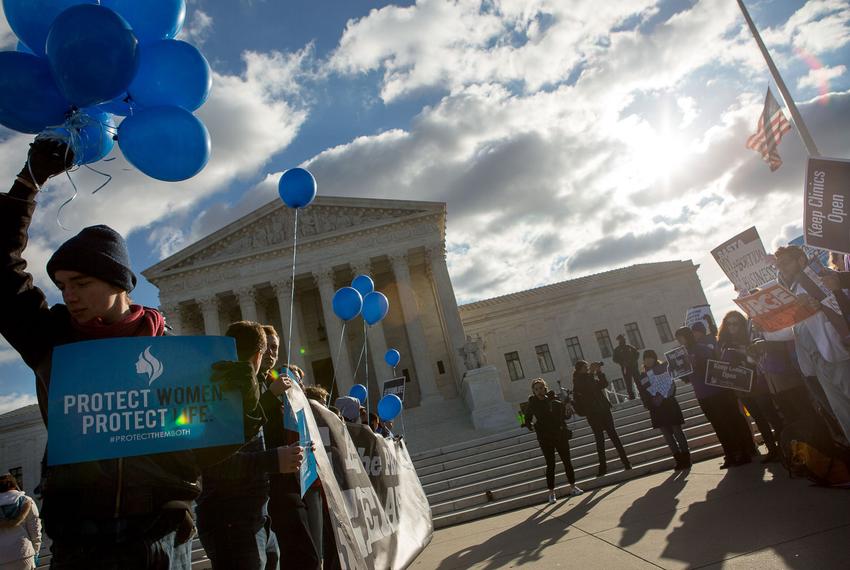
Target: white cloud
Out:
[818,27]
[13,401]
[8,40]
[819,78]
[197,28]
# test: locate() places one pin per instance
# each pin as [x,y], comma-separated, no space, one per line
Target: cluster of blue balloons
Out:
[389,406]
[361,298]
[80,61]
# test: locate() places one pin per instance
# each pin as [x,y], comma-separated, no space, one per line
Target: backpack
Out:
[809,451]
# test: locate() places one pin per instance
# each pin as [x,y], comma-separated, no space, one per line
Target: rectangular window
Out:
[605,347]
[663,329]
[544,359]
[514,366]
[574,349]
[18,474]
[440,367]
[633,334]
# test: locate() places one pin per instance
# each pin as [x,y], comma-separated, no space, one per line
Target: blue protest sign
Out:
[136,396]
[309,470]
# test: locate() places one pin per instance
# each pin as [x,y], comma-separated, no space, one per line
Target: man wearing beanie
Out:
[132,512]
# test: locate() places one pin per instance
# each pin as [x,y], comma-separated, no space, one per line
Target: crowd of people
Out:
[244,501]
[800,388]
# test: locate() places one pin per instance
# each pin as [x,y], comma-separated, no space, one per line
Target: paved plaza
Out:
[748,517]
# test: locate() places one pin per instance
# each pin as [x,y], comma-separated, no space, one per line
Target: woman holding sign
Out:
[130,512]
[658,391]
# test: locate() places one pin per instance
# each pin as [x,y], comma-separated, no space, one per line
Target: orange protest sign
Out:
[774,308]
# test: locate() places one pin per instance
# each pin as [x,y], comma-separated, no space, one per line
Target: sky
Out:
[567,138]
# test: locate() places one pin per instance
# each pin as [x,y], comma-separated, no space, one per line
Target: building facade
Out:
[542,332]
[22,441]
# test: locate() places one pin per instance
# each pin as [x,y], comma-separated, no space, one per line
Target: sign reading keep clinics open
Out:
[137,396]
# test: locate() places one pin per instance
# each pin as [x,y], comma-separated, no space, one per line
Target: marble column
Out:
[209,309]
[283,292]
[455,337]
[415,331]
[173,318]
[377,338]
[247,303]
[333,326]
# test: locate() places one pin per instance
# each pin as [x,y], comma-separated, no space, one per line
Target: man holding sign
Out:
[125,511]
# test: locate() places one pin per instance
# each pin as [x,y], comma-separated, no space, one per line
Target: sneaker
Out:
[575,492]
[552,498]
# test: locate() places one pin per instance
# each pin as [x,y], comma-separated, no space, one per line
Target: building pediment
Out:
[271,228]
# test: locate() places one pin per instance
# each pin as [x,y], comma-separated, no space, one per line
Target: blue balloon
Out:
[347,303]
[389,407]
[375,307]
[31,19]
[22,47]
[364,284]
[151,20]
[359,391]
[29,99]
[171,72]
[297,188]
[93,54]
[120,106]
[89,134]
[392,357]
[166,143]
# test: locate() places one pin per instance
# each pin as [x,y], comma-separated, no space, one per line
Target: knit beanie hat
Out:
[98,251]
[349,407]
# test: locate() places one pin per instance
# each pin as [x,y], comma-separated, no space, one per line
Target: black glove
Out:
[47,157]
[530,427]
[239,376]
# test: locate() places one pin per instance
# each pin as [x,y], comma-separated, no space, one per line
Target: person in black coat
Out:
[589,385]
[552,433]
[658,392]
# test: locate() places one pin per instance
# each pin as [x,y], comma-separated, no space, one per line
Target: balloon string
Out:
[366,362]
[292,293]
[108,178]
[338,353]
[359,359]
[74,195]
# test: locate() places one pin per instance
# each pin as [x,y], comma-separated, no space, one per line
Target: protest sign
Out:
[774,308]
[744,261]
[699,313]
[309,470]
[124,397]
[811,252]
[659,384]
[678,362]
[394,386]
[827,202]
[725,375]
[811,280]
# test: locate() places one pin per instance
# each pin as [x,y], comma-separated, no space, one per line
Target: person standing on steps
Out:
[658,392]
[552,433]
[589,385]
[627,357]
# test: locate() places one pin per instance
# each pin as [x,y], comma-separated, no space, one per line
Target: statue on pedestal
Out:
[473,352]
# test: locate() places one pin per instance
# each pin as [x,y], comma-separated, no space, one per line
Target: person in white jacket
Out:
[20,527]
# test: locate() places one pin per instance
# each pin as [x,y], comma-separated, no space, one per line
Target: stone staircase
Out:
[505,471]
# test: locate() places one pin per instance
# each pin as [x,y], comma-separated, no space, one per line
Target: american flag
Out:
[772,125]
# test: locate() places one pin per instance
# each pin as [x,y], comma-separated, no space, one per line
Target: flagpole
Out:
[803,131]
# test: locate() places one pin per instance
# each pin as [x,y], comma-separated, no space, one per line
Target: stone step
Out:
[510,478]
[527,443]
[537,495]
[424,461]
[631,436]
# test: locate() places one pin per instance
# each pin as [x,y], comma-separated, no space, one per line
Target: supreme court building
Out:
[244,271]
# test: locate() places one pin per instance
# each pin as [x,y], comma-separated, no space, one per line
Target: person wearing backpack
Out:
[658,392]
[589,383]
[552,433]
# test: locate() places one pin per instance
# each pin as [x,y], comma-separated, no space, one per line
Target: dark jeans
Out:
[630,379]
[604,422]
[161,554]
[767,419]
[675,438]
[559,443]
[315,520]
[725,416]
[291,524]
[236,545]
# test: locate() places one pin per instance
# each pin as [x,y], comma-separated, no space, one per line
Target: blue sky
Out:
[566,137]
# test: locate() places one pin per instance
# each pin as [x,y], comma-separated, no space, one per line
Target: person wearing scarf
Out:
[133,512]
